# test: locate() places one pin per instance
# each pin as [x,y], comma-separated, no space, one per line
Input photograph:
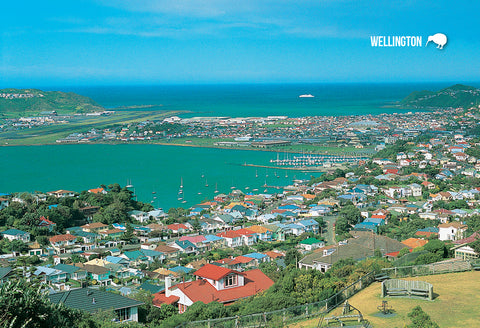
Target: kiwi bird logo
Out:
[440,39]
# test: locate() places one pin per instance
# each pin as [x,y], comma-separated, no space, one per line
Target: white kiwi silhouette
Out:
[440,39]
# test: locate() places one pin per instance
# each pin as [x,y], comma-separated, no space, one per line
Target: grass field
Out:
[456,303]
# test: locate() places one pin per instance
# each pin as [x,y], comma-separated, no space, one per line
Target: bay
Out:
[153,170]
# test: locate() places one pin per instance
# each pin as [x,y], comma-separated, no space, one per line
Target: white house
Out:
[15,234]
[416,189]
[140,216]
[452,231]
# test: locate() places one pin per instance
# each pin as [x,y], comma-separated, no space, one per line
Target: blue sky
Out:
[99,42]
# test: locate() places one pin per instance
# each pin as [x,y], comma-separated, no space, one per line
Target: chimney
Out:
[168,284]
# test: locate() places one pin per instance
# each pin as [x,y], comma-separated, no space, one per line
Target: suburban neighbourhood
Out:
[414,202]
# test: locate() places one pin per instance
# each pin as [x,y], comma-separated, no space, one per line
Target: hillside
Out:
[34,101]
[456,96]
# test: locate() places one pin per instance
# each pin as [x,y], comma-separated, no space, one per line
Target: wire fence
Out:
[283,317]
[428,269]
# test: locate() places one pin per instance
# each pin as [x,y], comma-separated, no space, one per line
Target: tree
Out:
[25,305]
[420,319]
[128,234]
[17,246]
[292,257]
[436,247]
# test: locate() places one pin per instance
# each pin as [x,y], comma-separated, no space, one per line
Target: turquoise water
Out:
[260,99]
[149,168]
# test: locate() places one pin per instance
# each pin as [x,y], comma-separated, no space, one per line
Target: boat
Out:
[216,189]
[184,201]
[306,96]
[206,182]
[256,173]
[181,183]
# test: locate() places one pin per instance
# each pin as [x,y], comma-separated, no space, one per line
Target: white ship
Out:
[306,96]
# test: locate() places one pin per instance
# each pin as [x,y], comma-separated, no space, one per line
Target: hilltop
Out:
[33,100]
[456,96]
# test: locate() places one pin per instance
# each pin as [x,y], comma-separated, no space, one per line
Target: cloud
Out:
[190,8]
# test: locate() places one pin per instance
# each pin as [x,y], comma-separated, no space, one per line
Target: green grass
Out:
[455,304]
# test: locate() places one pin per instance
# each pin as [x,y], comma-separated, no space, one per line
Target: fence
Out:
[282,317]
[428,269]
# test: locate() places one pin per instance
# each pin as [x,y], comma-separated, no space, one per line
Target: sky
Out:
[135,42]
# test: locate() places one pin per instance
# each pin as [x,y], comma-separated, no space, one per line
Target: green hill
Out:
[32,101]
[456,96]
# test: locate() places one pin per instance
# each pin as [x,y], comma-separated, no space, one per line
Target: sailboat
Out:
[216,189]
[129,184]
[206,182]
[180,191]
[256,173]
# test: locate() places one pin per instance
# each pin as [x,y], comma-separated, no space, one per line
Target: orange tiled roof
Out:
[94,225]
[414,242]
[96,190]
[214,272]
[65,237]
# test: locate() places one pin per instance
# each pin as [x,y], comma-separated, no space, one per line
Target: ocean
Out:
[259,99]
[156,171]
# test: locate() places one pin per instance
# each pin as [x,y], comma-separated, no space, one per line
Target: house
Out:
[5,274]
[185,246]
[214,283]
[96,272]
[61,193]
[427,232]
[361,246]
[15,234]
[97,191]
[451,231]
[140,216]
[59,242]
[118,260]
[50,275]
[3,203]
[94,227]
[135,257]
[114,234]
[178,228]
[169,251]
[414,242]
[263,233]
[416,189]
[309,225]
[71,271]
[258,257]
[46,223]
[310,244]
[95,300]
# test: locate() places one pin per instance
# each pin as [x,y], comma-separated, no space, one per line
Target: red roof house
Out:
[214,283]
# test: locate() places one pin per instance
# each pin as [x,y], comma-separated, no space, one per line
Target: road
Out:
[330,233]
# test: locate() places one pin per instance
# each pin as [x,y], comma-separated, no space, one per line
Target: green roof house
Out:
[15,234]
[93,300]
[310,244]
